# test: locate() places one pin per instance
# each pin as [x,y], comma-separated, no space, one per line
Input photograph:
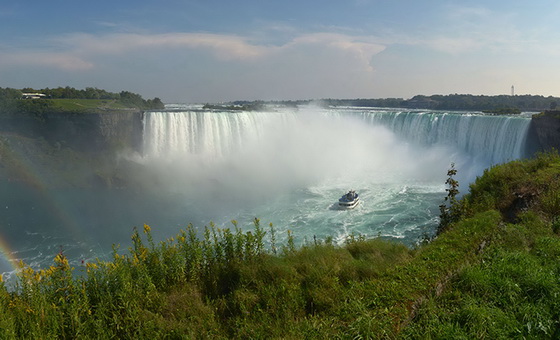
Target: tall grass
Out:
[492,273]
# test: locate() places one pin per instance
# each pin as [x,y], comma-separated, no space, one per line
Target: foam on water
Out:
[289,167]
[286,167]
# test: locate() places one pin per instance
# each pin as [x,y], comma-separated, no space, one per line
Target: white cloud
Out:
[80,50]
[226,67]
[222,46]
[62,61]
[361,48]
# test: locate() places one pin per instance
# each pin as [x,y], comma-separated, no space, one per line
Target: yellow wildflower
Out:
[147,229]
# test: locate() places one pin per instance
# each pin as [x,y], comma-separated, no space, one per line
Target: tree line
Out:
[11,101]
[457,102]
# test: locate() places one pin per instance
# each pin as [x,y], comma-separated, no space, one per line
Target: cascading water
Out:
[213,134]
[288,167]
[496,139]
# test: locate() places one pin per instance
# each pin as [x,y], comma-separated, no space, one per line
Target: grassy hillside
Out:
[77,105]
[67,99]
[492,273]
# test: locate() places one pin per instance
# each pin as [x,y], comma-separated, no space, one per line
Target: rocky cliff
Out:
[100,132]
[546,128]
[116,130]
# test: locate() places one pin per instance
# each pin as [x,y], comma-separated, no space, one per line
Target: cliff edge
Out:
[100,132]
[546,127]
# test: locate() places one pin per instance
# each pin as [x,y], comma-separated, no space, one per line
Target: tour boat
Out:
[349,200]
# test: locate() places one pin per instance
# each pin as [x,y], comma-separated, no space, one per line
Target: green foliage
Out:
[504,111]
[509,295]
[38,108]
[72,93]
[501,104]
[517,186]
[87,105]
[12,104]
[486,276]
[449,210]
[71,99]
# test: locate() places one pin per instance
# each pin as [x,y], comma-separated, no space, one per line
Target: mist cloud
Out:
[281,154]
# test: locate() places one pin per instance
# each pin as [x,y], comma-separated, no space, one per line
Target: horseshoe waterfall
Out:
[289,166]
[286,166]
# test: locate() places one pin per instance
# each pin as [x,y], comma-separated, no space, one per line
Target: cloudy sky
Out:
[222,50]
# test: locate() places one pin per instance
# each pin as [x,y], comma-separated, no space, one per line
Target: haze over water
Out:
[285,166]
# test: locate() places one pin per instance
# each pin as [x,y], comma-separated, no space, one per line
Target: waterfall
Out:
[495,139]
[492,139]
[211,133]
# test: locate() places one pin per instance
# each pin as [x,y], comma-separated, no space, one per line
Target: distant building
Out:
[33,95]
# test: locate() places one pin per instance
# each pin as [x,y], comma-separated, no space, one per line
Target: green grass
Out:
[511,294]
[492,274]
[79,105]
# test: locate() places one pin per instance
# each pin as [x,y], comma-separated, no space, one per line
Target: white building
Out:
[33,95]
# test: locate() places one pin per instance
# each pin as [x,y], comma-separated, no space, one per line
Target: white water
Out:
[289,167]
[492,139]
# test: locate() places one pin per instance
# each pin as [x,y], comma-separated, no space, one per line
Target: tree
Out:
[449,210]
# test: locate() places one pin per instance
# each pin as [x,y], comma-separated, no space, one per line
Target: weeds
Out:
[484,276]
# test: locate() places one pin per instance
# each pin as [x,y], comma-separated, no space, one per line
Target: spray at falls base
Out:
[287,167]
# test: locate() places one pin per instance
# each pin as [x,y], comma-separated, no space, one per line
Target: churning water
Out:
[285,166]
[289,166]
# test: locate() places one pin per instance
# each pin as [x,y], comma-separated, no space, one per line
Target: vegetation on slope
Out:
[71,100]
[492,272]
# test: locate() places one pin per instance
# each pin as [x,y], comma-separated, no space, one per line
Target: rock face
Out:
[546,128]
[91,132]
[111,131]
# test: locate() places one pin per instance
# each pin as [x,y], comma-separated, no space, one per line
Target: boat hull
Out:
[348,205]
[349,201]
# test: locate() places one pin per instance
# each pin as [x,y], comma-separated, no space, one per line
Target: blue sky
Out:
[216,50]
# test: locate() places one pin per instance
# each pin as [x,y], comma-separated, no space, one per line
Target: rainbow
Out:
[8,262]
[29,174]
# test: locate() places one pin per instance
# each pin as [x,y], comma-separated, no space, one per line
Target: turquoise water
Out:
[287,167]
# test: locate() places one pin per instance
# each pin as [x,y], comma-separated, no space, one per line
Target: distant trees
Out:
[8,99]
[456,102]
[135,100]
[72,93]
[155,104]
[11,103]
[467,102]
[380,102]
[480,103]
[11,99]
[7,95]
